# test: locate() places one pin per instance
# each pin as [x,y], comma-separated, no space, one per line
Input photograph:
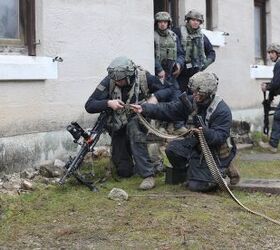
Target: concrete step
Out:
[258,185]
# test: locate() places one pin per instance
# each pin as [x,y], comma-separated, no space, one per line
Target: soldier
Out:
[199,53]
[126,83]
[186,154]
[273,87]
[169,57]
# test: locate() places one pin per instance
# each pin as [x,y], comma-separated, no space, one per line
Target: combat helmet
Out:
[163,16]
[120,68]
[204,82]
[193,14]
[274,47]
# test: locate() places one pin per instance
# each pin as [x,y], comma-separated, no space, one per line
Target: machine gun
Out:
[89,140]
[266,110]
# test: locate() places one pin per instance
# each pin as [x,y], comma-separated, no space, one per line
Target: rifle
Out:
[266,110]
[89,140]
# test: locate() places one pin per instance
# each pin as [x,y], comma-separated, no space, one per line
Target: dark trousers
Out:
[130,152]
[183,154]
[275,132]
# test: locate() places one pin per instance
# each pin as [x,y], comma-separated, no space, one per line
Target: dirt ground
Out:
[167,217]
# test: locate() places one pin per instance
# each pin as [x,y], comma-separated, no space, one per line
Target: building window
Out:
[171,6]
[17,26]
[260,31]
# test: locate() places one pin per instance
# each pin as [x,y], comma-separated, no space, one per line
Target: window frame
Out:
[262,25]
[209,14]
[170,6]
[27,37]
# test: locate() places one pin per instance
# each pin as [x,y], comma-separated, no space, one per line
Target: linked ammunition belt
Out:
[210,163]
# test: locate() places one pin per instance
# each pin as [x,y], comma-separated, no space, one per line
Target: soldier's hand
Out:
[115,104]
[196,130]
[177,71]
[152,100]
[136,108]
[263,86]
[161,75]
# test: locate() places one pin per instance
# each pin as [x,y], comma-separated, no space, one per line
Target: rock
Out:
[26,185]
[59,163]
[28,174]
[50,171]
[118,194]
[101,151]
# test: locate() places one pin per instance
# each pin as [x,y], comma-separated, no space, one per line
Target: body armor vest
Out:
[225,149]
[165,46]
[139,89]
[193,45]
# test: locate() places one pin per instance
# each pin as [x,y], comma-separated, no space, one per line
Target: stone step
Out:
[258,185]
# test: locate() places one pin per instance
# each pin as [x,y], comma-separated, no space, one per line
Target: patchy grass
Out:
[167,217]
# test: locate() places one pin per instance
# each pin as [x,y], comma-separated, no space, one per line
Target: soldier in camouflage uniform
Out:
[186,154]
[273,87]
[199,53]
[127,83]
[169,57]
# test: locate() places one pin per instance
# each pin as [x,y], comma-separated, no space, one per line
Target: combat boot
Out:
[233,174]
[266,145]
[147,183]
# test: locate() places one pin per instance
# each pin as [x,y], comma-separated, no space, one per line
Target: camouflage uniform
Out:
[168,53]
[186,154]
[129,144]
[199,53]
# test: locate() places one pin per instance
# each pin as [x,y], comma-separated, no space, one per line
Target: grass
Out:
[167,217]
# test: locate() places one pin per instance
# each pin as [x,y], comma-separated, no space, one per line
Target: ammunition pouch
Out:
[116,121]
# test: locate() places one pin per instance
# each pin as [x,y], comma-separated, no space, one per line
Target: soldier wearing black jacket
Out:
[199,53]
[186,153]
[126,83]
[273,87]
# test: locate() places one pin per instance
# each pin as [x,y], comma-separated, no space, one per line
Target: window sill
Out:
[217,38]
[261,71]
[27,68]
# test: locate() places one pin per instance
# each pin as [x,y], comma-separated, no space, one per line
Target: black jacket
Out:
[97,102]
[219,124]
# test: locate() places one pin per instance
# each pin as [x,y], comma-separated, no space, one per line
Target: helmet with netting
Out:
[163,16]
[274,47]
[193,14]
[204,83]
[120,68]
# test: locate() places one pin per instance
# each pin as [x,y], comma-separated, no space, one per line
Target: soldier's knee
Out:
[201,186]
[170,149]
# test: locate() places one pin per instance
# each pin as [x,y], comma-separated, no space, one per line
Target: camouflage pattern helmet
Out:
[274,47]
[120,68]
[204,82]
[193,14]
[163,16]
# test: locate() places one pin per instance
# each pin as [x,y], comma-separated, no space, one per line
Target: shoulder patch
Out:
[101,87]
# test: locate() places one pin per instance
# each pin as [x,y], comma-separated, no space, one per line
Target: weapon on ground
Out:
[266,108]
[89,140]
